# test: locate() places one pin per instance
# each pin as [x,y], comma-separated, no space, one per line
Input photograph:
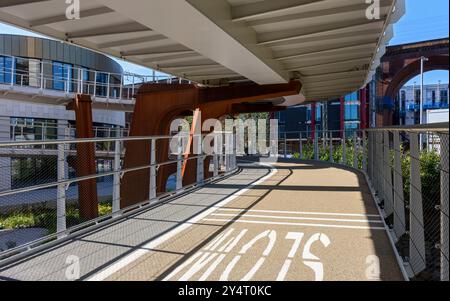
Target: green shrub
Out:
[46,218]
[17,221]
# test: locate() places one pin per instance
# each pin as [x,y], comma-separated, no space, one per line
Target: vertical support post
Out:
[416,230]
[344,148]
[132,86]
[316,147]
[300,145]
[285,146]
[216,155]
[387,171]
[179,180]
[233,152]
[444,207]
[313,120]
[85,165]
[355,151]
[364,151]
[331,147]
[399,201]
[61,192]
[378,161]
[116,177]
[371,156]
[152,190]
[201,158]
[221,153]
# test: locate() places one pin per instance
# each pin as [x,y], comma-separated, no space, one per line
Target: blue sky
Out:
[424,20]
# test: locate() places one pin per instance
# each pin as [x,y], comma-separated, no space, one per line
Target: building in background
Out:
[407,108]
[348,113]
[28,67]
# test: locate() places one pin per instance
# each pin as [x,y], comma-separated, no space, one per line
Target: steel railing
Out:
[407,171]
[45,207]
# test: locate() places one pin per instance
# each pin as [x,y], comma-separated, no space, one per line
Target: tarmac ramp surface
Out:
[288,221]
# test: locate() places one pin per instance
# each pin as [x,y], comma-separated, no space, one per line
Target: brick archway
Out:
[400,64]
[412,70]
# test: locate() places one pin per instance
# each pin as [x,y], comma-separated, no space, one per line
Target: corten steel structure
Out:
[402,63]
[179,101]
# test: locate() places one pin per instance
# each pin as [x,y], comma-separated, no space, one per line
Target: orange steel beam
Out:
[85,163]
[195,120]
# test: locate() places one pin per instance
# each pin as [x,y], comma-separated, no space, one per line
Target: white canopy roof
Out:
[329,45]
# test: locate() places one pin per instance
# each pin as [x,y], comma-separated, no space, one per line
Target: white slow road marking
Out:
[293,224]
[301,218]
[120,264]
[300,212]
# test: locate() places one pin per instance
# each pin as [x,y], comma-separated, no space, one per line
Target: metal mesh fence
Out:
[408,171]
[47,190]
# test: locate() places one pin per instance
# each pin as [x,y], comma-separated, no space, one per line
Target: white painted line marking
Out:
[299,212]
[120,264]
[294,224]
[301,218]
[284,270]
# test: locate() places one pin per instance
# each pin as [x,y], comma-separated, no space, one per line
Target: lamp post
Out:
[422,60]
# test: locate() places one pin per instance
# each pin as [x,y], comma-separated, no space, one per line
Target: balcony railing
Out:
[104,85]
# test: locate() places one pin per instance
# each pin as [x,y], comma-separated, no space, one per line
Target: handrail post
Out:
[215,156]
[387,183]
[316,146]
[300,145]
[399,201]
[416,230]
[344,148]
[152,190]
[355,151]
[179,179]
[364,150]
[444,207]
[331,147]
[61,192]
[200,162]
